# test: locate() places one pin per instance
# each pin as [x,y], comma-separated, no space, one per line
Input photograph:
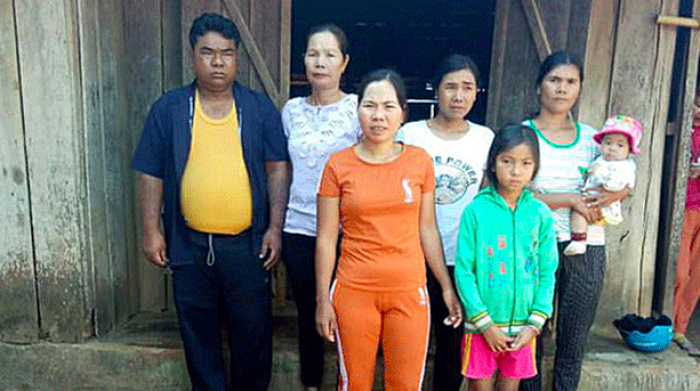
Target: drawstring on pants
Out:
[211,258]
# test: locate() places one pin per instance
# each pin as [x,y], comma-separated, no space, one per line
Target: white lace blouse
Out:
[313,134]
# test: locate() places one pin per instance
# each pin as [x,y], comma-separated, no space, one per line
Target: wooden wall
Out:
[154,65]
[68,227]
[637,82]
[18,305]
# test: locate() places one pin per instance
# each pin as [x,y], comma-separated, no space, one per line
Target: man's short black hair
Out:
[216,23]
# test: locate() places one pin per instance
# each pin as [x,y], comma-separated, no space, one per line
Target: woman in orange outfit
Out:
[382,193]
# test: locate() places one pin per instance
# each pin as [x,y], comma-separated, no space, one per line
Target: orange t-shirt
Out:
[379,212]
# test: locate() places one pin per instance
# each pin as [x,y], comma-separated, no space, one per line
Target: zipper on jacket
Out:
[512,311]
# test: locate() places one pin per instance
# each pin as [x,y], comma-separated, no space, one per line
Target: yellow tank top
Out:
[215,190]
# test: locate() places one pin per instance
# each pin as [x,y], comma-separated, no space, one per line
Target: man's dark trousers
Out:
[224,284]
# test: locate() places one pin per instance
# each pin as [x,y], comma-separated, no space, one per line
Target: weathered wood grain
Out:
[598,62]
[639,88]
[285,38]
[145,73]
[48,63]
[114,92]
[18,303]
[534,19]
[101,293]
[251,45]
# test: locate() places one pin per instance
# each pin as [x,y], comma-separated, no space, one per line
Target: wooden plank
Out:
[534,19]
[18,303]
[285,37]
[246,70]
[53,137]
[580,18]
[256,57]
[264,24]
[515,87]
[498,54]
[116,156]
[678,21]
[101,293]
[668,273]
[171,26]
[143,54]
[640,88]
[598,62]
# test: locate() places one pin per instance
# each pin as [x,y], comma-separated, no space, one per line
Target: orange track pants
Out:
[687,289]
[400,320]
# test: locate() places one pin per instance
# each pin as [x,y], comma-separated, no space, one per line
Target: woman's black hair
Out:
[454,63]
[337,32]
[556,59]
[393,78]
[510,136]
[214,22]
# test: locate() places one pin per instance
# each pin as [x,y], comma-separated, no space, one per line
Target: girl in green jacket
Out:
[505,266]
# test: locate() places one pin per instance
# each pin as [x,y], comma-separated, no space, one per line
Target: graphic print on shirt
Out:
[408,193]
[452,179]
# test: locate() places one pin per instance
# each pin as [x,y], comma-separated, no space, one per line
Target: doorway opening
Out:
[409,36]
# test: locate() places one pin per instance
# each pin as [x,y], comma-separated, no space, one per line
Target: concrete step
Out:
[146,355]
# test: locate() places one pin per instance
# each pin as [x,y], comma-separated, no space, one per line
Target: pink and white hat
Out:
[628,126]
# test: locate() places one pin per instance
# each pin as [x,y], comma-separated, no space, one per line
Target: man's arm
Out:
[150,191]
[278,194]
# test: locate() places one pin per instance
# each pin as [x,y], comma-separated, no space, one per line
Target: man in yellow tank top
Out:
[213,156]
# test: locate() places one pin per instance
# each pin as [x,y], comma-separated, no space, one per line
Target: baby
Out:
[613,170]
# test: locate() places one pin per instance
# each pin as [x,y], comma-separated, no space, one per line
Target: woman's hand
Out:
[523,338]
[497,340]
[604,197]
[590,212]
[454,306]
[326,322]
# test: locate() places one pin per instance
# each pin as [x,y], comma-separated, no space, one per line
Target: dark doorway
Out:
[410,36]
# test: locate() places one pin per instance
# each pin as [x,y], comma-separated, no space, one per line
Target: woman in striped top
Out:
[566,145]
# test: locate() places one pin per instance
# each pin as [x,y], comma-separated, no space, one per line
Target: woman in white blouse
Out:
[316,126]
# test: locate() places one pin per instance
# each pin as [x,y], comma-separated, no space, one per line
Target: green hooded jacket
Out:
[506,262]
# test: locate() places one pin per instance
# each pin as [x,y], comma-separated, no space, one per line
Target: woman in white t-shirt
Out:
[459,149]
[316,126]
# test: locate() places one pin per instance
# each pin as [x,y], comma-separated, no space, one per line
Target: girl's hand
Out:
[694,172]
[590,213]
[326,322]
[453,304]
[523,338]
[497,340]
